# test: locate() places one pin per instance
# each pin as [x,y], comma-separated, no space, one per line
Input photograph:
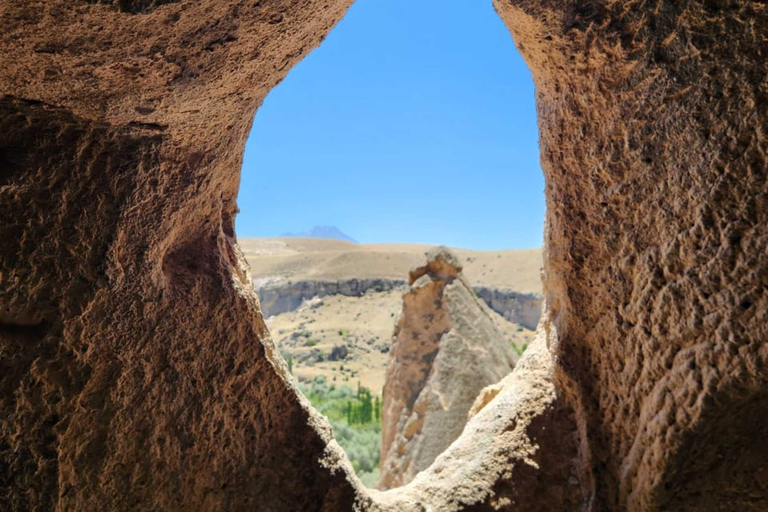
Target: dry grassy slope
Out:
[364,325]
[312,258]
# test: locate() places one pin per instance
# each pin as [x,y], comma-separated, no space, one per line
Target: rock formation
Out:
[445,350]
[136,372]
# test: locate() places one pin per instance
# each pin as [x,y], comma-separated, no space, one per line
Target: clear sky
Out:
[414,121]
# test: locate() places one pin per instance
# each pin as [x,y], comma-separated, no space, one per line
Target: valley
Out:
[338,302]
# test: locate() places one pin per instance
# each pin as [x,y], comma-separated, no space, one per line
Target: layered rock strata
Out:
[283,297]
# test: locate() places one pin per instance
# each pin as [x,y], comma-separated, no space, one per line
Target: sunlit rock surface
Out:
[445,350]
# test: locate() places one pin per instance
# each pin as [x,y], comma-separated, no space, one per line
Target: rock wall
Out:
[135,370]
[282,297]
[520,308]
[137,373]
[445,350]
[276,298]
[652,120]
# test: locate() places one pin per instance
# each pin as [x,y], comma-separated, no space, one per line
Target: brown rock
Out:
[445,349]
[135,369]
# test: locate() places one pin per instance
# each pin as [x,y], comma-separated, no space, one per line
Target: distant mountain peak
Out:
[323,232]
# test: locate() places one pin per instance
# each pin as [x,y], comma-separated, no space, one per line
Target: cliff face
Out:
[520,308]
[282,297]
[136,372]
[445,350]
[277,298]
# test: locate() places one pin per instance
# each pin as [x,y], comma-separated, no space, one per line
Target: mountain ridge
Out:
[328,232]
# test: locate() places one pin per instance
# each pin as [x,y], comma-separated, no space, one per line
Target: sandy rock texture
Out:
[653,121]
[445,350]
[136,372]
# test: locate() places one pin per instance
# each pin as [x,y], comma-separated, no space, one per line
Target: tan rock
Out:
[445,349]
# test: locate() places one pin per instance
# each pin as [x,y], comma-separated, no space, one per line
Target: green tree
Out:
[366,406]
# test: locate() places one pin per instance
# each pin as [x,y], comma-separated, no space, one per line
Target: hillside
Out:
[347,338]
[322,259]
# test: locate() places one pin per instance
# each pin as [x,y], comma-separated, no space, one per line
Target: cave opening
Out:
[366,156]
[139,372]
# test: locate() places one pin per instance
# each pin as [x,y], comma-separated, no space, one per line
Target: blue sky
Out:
[414,121]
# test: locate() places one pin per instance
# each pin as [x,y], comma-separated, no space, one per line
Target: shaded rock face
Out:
[130,339]
[657,242]
[277,298]
[136,369]
[520,308]
[445,350]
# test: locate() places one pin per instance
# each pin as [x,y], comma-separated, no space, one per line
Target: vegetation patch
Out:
[356,420]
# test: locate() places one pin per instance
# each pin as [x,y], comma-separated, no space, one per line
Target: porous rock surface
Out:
[445,350]
[136,372]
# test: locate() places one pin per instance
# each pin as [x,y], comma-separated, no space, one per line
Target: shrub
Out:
[361,444]
[338,352]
